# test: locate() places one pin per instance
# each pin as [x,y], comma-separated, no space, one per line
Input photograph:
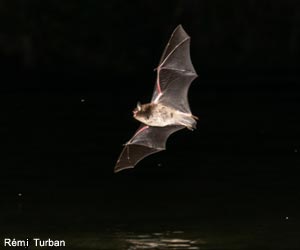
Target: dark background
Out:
[71,73]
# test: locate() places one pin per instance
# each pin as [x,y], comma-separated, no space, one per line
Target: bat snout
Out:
[135,113]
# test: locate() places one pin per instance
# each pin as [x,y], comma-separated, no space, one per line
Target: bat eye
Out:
[139,106]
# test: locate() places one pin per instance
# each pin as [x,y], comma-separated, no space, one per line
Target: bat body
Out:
[159,115]
[169,109]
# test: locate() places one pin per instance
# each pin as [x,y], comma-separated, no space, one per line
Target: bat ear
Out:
[139,106]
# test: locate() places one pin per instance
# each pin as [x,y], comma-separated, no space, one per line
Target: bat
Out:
[169,109]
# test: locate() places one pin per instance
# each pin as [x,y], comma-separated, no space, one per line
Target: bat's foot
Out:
[191,127]
[195,117]
[188,120]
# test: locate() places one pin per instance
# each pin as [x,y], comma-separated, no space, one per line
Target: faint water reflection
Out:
[168,240]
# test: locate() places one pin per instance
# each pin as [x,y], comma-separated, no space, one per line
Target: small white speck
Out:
[286,217]
[296,150]
[20,194]
[82,100]
[159,164]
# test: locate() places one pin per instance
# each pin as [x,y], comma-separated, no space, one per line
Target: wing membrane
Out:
[146,141]
[175,72]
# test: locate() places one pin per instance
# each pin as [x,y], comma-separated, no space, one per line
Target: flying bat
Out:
[169,109]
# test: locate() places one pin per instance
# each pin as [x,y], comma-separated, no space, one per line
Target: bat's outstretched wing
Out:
[147,140]
[175,72]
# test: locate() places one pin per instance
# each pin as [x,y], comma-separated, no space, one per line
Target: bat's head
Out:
[142,112]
